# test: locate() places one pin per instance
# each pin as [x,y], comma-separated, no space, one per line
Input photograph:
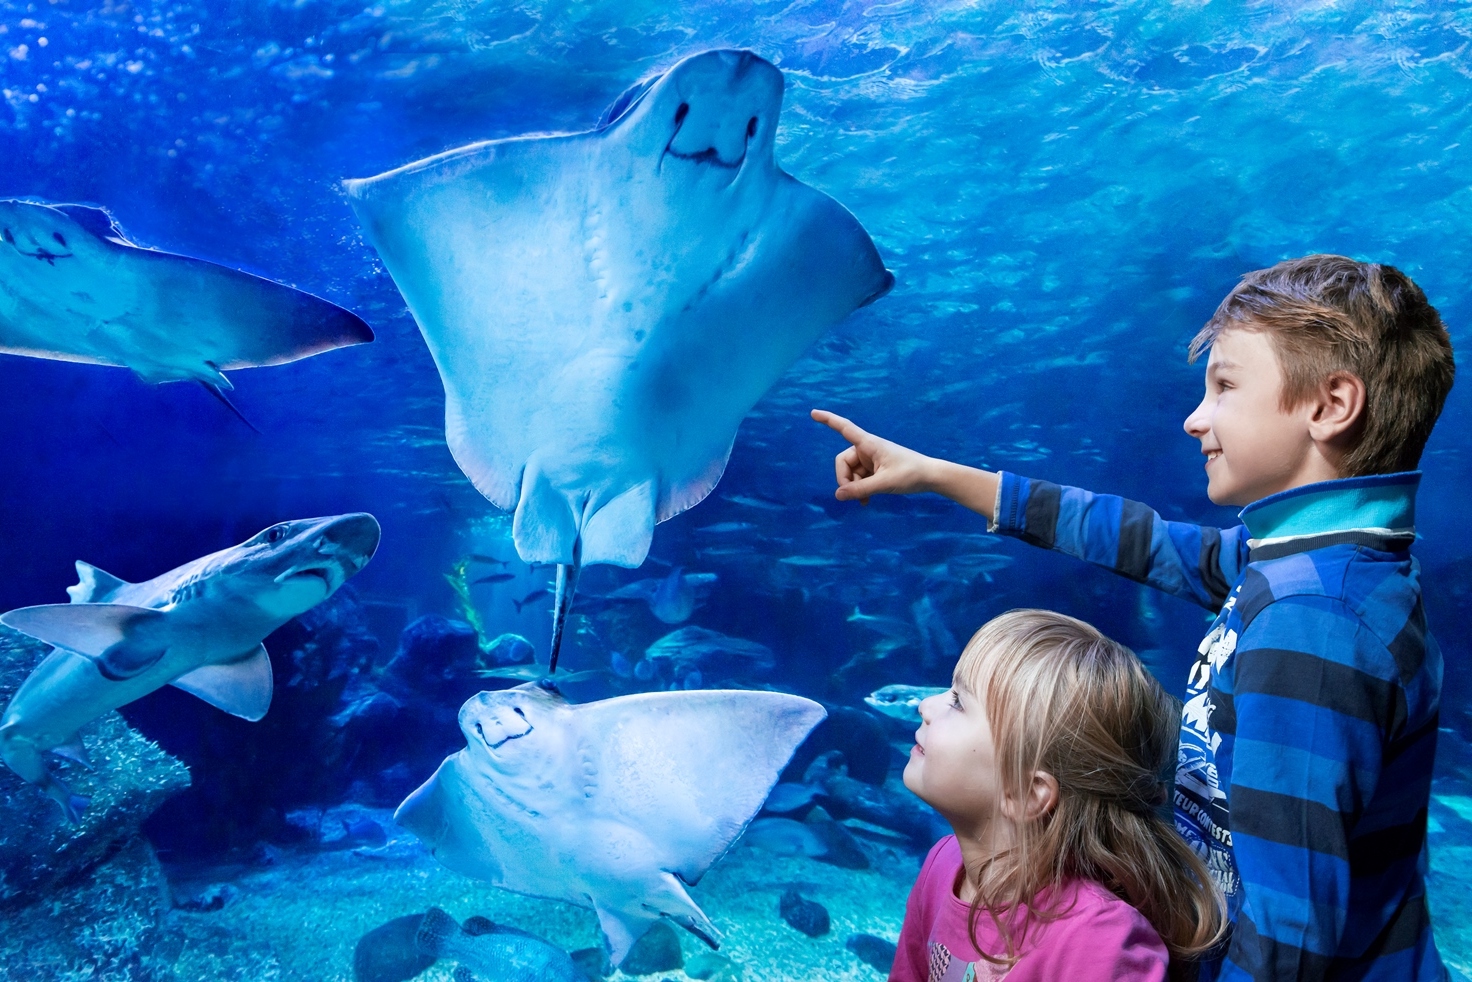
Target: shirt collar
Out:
[1378,503]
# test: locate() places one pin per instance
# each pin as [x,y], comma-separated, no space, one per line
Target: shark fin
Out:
[241,688]
[93,585]
[123,641]
[75,751]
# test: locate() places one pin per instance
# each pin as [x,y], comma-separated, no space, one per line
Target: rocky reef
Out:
[86,900]
[39,852]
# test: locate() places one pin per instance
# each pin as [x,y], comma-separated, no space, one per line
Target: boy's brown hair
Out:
[1327,314]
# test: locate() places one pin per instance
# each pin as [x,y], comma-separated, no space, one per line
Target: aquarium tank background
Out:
[1063,193]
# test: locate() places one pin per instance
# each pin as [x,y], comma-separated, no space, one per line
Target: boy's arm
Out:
[1311,719]
[1196,562]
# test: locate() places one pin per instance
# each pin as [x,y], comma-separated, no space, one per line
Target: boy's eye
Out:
[955,699]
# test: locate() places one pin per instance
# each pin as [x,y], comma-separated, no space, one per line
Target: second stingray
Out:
[605,307]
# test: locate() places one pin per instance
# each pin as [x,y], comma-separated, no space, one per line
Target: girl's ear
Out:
[1042,795]
[1042,798]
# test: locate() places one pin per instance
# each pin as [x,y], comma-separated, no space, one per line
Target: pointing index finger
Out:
[851,431]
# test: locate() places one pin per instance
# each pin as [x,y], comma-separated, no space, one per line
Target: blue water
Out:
[1063,193]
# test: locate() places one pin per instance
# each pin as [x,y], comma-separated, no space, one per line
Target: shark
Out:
[198,627]
[617,805]
[672,598]
[605,307]
[73,287]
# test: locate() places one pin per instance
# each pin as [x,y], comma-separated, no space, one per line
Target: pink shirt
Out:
[1100,939]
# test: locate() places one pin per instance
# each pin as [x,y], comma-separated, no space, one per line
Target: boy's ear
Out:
[1338,411]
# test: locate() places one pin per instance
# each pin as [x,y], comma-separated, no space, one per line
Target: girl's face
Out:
[953,764]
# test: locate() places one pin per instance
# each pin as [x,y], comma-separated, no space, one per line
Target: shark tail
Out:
[567,585]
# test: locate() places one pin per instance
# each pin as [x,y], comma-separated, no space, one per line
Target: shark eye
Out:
[751,127]
[681,113]
[58,237]
[276,533]
[517,711]
[480,732]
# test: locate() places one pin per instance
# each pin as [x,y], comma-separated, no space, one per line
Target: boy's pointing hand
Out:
[873,465]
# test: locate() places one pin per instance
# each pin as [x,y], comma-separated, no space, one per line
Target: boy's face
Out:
[953,765]
[1253,447]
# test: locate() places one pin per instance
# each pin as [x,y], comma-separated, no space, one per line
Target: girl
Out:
[1045,757]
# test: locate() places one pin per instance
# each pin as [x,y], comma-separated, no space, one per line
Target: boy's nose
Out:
[1196,424]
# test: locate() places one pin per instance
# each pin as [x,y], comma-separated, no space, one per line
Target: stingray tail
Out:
[567,585]
[219,394]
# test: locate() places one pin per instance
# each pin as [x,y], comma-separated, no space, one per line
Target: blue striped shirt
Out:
[1309,725]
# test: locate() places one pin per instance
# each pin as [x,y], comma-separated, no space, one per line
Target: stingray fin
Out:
[123,641]
[96,220]
[724,749]
[622,928]
[423,812]
[620,531]
[673,901]
[241,688]
[93,585]
[75,751]
[544,528]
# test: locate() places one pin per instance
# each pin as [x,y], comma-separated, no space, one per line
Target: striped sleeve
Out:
[1305,710]
[1196,562]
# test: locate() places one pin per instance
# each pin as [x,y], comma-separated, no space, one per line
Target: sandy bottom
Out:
[300,917]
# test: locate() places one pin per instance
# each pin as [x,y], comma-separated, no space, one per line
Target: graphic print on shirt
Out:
[946,967]
[1200,801]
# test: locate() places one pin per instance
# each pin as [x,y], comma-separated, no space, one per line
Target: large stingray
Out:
[615,805]
[73,288]
[605,307]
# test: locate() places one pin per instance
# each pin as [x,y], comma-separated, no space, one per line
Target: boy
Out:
[1309,727]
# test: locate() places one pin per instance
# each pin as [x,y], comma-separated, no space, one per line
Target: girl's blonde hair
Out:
[1060,697]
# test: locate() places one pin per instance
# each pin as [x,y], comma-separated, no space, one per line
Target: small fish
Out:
[487,560]
[784,837]
[494,578]
[725,528]
[536,594]
[890,627]
[755,501]
[493,953]
[510,649]
[901,702]
[789,797]
[813,561]
[535,673]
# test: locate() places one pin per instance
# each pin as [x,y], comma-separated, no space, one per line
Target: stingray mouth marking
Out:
[41,253]
[710,155]
[496,745]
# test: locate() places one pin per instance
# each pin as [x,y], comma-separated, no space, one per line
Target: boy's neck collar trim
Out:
[1383,505]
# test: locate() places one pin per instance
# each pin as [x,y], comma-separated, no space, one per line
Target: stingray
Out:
[616,805]
[605,307]
[73,288]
